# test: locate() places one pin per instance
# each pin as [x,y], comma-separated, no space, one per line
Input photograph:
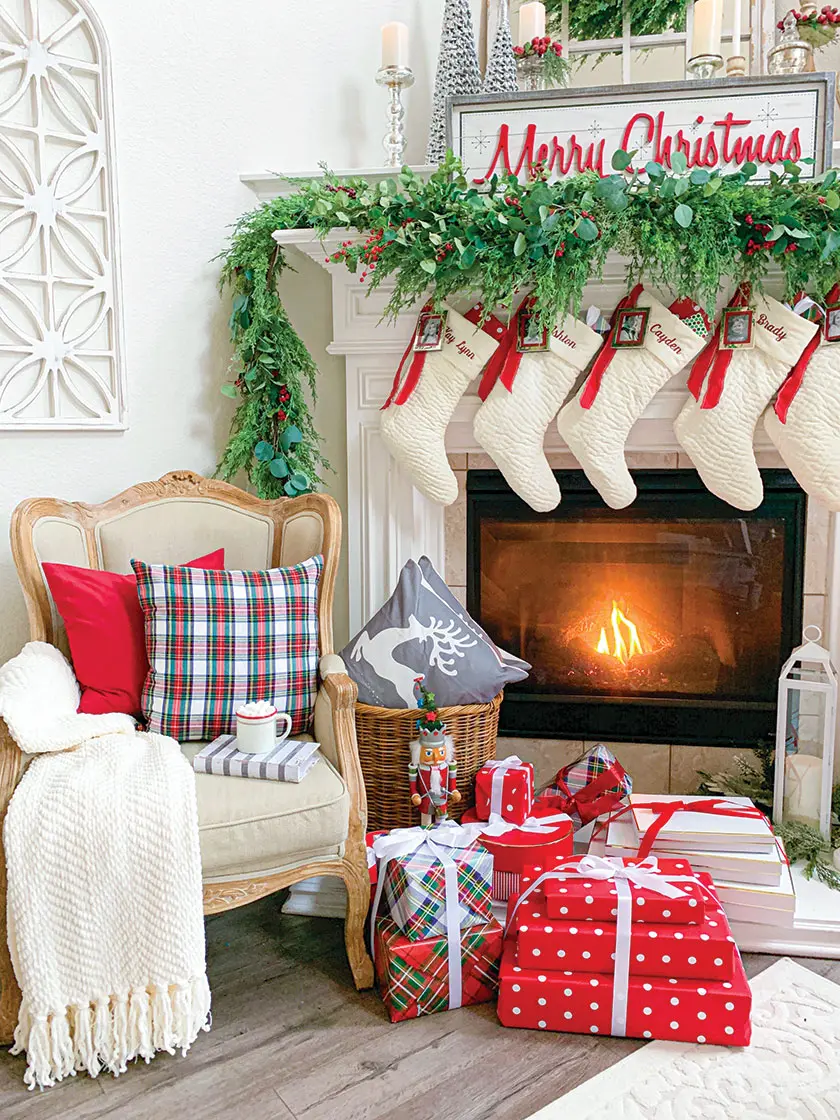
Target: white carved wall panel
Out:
[61,363]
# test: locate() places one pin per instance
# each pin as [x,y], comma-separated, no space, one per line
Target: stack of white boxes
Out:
[743,856]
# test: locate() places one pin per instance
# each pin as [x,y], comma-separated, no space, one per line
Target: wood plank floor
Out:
[292,1040]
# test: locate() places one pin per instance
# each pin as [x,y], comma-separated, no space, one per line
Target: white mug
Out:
[256,727]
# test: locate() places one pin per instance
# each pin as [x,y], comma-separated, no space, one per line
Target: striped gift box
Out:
[290,761]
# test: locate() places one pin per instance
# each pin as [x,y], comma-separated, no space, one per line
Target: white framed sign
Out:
[718,125]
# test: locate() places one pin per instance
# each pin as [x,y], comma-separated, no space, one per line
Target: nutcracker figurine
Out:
[432,771]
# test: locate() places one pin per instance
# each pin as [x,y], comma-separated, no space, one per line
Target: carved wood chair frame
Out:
[340,691]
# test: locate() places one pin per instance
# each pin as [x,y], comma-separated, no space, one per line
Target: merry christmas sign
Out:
[717,125]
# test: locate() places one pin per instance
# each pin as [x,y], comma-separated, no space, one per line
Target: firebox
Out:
[667,621]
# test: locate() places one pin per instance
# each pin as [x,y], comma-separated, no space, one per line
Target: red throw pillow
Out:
[106,632]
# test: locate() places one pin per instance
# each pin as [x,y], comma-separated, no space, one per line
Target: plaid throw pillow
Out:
[218,639]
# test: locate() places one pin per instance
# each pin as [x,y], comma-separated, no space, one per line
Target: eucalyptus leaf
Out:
[748,170]
[429,266]
[712,187]
[229,391]
[776,232]
[467,258]
[679,163]
[291,436]
[655,170]
[667,188]
[622,159]
[683,215]
[291,489]
[279,467]
[343,217]
[680,187]
[264,451]
[300,480]
[699,176]
[832,200]
[587,230]
[520,245]
[832,244]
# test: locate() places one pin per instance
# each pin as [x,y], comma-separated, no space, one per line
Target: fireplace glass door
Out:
[640,622]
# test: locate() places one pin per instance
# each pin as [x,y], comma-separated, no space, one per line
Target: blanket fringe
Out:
[110,1031]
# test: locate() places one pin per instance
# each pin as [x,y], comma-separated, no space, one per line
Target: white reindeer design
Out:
[448,643]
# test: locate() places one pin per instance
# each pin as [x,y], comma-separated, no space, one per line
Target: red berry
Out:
[281,415]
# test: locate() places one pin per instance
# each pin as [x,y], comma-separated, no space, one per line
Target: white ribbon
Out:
[804,305]
[439,842]
[500,767]
[644,874]
[593,314]
[496,826]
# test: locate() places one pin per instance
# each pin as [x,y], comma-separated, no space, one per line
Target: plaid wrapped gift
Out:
[218,639]
[413,976]
[591,785]
[415,887]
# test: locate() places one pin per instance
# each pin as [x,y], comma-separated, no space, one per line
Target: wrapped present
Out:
[543,839]
[371,855]
[433,878]
[646,1007]
[702,952]
[593,896]
[593,784]
[422,977]
[504,788]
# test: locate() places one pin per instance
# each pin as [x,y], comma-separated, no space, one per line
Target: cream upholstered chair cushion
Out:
[247,826]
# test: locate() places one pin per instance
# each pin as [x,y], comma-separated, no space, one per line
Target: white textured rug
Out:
[790,1071]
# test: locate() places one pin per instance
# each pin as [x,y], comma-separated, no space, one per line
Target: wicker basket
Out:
[384,735]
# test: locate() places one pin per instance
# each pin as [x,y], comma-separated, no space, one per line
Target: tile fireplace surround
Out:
[388,521]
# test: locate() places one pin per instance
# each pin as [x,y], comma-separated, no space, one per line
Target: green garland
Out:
[687,230]
[597,19]
[803,843]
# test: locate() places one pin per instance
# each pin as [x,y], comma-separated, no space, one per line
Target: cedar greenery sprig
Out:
[803,843]
[594,19]
[689,230]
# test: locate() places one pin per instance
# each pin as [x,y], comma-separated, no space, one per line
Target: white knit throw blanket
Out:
[105,920]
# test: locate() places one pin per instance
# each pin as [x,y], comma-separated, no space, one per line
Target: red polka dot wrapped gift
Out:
[504,789]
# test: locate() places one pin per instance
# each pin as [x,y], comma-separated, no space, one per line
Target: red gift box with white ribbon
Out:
[544,839]
[594,897]
[702,952]
[669,1009]
[504,788]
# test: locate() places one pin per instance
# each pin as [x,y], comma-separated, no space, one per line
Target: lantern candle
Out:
[803,788]
[394,45]
[531,22]
[708,23]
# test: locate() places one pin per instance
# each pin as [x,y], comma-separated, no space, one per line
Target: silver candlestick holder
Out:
[395,79]
[704,65]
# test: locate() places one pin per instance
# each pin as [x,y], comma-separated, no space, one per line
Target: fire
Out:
[625,635]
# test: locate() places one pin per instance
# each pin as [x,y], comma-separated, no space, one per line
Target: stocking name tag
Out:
[736,329]
[430,333]
[832,322]
[630,327]
[529,334]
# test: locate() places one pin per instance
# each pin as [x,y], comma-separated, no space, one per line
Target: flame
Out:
[624,647]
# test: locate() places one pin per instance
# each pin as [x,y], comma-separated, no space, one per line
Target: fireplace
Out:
[664,622]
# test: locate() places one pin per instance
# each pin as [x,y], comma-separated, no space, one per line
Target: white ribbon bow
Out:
[644,874]
[440,842]
[500,767]
[536,825]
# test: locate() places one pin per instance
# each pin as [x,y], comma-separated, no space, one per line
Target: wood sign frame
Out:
[718,125]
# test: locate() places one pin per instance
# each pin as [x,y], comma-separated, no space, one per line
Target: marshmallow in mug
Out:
[256,708]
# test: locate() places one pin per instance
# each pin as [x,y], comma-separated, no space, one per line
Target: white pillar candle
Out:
[708,22]
[736,28]
[394,45]
[531,22]
[803,788]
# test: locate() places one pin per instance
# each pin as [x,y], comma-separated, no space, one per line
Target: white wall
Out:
[205,91]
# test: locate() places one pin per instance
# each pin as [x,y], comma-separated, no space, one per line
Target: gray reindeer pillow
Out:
[424,629]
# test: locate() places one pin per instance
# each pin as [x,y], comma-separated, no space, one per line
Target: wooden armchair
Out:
[256,837]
